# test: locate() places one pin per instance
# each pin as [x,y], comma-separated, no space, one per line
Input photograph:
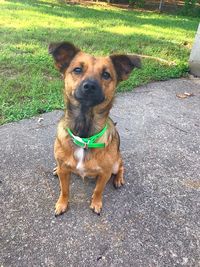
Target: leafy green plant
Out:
[139,3]
[190,8]
[190,3]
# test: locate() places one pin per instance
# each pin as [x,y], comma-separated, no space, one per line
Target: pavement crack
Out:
[175,127]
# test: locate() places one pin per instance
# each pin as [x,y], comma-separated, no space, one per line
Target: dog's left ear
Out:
[124,64]
[63,53]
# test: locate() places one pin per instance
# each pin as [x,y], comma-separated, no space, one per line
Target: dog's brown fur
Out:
[100,162]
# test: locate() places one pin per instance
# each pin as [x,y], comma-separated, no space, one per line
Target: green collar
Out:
[90,141]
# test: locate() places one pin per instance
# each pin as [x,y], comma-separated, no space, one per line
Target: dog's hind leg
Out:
[118,180]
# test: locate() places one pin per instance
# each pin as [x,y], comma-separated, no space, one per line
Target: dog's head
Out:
[91,80]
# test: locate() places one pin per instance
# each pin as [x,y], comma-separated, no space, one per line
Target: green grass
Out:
[30,85]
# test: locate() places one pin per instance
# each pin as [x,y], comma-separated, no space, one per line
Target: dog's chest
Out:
[83,168]
[79,155]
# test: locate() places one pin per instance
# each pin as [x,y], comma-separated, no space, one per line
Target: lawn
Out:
[30,85]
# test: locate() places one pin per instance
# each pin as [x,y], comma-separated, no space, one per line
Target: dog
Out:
[87,141]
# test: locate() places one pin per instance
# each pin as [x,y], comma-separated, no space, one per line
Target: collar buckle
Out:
[86,144]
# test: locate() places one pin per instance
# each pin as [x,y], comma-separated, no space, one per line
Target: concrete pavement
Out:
[154,220]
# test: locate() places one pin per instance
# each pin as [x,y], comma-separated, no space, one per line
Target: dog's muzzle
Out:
[89,93]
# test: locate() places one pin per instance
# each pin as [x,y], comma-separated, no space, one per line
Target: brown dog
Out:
[90,84]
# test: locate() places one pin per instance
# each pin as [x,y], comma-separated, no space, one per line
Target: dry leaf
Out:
[188,94]
[40,120]
[184,95]
[181,96]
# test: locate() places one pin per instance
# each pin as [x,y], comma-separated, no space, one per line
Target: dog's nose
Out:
[89,86]
[89,93]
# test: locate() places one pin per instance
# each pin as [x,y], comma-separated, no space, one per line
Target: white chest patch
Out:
[79,155]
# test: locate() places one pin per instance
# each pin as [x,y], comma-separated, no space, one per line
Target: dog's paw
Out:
[55,171]
[60,208]
[96,206]
[118,182]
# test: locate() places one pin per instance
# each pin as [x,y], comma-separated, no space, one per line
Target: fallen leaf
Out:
[188,94]
[40,120]
[181,96]
[184,95]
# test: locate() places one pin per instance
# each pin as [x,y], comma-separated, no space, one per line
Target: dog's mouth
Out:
[89,93]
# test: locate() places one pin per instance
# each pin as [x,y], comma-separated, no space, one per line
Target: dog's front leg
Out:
[62,203]
[96,202]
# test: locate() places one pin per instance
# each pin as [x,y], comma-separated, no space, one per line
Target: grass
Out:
[30,85]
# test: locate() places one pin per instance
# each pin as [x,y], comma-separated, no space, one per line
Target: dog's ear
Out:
[124,64]
[63,53]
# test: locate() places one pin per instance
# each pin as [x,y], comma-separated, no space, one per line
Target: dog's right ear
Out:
[63,53]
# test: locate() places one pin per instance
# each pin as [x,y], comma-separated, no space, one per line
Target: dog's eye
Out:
[78,70]
[106,75]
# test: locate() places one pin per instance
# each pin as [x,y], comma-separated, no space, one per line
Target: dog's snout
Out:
[89,93]
[89,86]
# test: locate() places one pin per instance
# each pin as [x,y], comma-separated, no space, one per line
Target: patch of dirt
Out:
[192,184]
